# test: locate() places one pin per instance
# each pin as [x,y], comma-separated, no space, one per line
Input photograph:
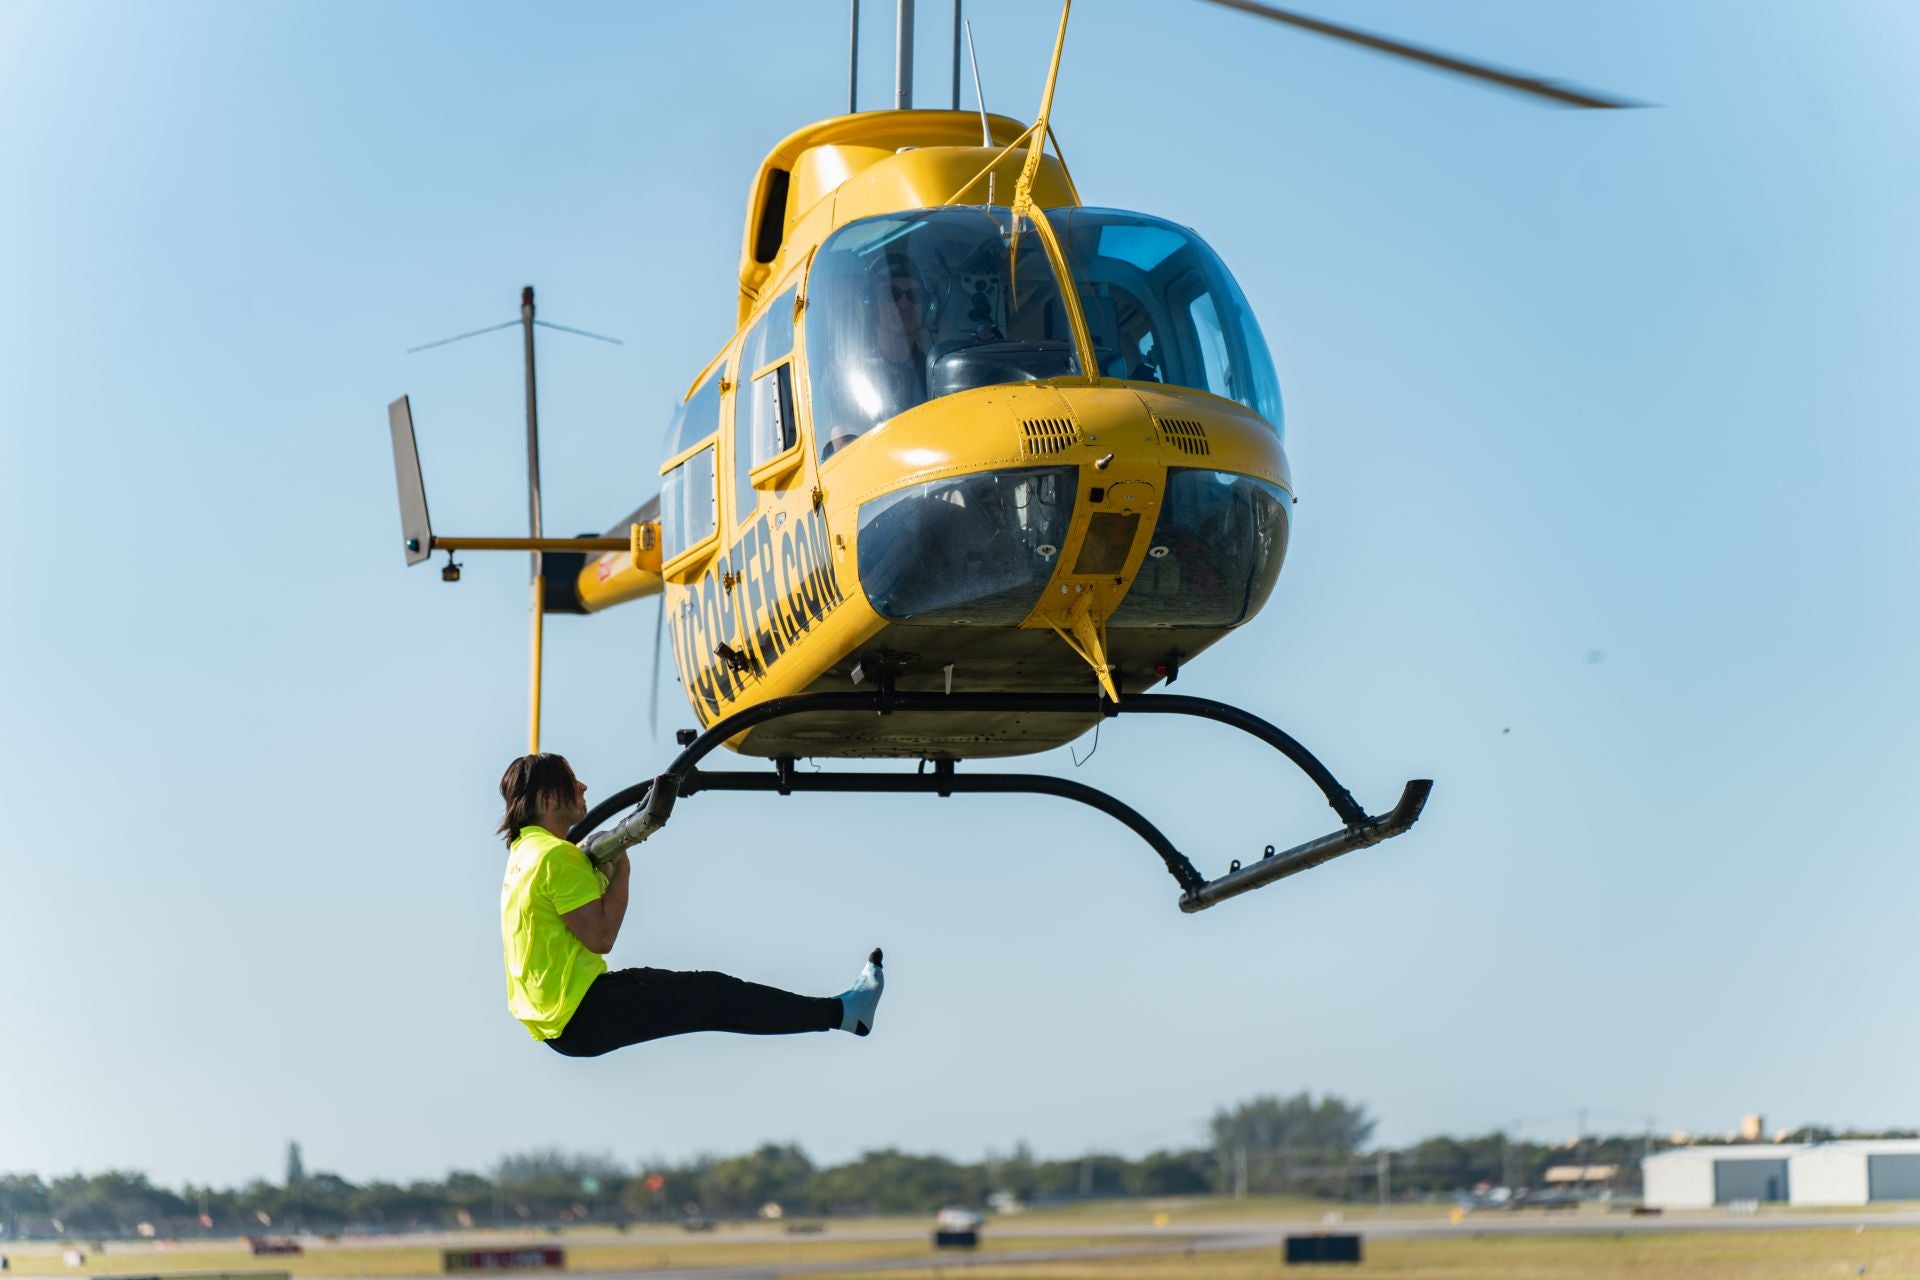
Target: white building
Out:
[1824,1173]
[1856,1172]
[1701,1177]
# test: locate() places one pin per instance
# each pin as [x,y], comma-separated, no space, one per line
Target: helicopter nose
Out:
[1146,506]
[972,550]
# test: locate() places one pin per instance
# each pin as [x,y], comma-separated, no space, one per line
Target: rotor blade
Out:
[508,324]
[548,324]
[1546,89]
[659,634]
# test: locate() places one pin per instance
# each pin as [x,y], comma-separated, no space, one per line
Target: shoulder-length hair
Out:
[530,784]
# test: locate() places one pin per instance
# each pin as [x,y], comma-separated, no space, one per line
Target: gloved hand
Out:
[602,847]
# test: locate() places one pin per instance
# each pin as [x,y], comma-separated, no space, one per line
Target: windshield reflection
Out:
[1162,308]
[905,308]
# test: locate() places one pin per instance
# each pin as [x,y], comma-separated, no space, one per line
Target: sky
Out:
[1602,426]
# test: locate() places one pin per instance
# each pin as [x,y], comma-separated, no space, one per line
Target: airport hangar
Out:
[1820,1173]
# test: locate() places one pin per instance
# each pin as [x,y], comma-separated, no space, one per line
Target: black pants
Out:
[628,1006]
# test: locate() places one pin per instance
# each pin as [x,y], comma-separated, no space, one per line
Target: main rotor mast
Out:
[902,56]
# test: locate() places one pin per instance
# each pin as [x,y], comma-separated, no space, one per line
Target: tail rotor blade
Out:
[659,637]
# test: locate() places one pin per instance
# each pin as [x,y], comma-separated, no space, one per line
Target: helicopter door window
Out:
[766,428]
[765,431]
[775,389]
[689,498]
[689,507]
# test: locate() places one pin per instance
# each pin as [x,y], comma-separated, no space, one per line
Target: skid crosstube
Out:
[655,798]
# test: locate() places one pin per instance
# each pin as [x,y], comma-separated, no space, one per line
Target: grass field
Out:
[1852,1249]
[1878,1254]
[658,1250]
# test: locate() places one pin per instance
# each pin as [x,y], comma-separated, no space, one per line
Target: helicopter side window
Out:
[697,419]
[689,506]
[906,308]
[1212,342]
[1163,309]
[689,512]
[764,423]
[1125,341]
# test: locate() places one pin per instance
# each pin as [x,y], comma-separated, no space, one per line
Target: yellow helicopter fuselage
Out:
[1043,508]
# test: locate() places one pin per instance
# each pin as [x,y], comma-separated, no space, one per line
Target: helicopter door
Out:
[692,545]
[723,578]
[765,455]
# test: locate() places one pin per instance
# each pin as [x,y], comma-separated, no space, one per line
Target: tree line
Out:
[1289,1145]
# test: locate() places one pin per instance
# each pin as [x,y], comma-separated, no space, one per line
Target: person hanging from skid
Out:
[559,917]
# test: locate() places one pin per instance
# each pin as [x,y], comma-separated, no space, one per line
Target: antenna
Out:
[538,602]
[903,58]
[956,55]
[986,134]
[853,60]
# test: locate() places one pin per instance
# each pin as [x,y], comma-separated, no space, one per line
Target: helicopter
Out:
[981,466]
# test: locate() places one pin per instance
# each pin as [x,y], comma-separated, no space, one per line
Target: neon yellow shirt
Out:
[548,969]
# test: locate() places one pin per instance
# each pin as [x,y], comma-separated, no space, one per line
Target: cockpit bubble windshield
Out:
[1162,308]
[904,308]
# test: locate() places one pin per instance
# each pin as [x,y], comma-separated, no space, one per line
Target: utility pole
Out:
[1386,1163]
[1580,1187]
[296,1182]
[1646,1149]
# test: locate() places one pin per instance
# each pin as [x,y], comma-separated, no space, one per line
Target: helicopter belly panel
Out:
[960,659]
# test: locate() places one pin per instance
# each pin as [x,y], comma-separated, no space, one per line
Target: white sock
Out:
[859,1001]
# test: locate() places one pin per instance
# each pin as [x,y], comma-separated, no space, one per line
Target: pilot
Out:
[892,376]
[559,917]
[901,301]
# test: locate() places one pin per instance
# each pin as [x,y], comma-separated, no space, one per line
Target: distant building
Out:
[1857,1172]
[1701,1177]
[1598,1175]
[1823,1173]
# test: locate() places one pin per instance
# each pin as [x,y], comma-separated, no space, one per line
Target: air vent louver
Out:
[1185,435]
[1047,435]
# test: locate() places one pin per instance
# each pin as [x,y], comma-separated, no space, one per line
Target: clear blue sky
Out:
[1634,386]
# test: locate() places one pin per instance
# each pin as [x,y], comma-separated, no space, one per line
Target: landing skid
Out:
[683,777]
